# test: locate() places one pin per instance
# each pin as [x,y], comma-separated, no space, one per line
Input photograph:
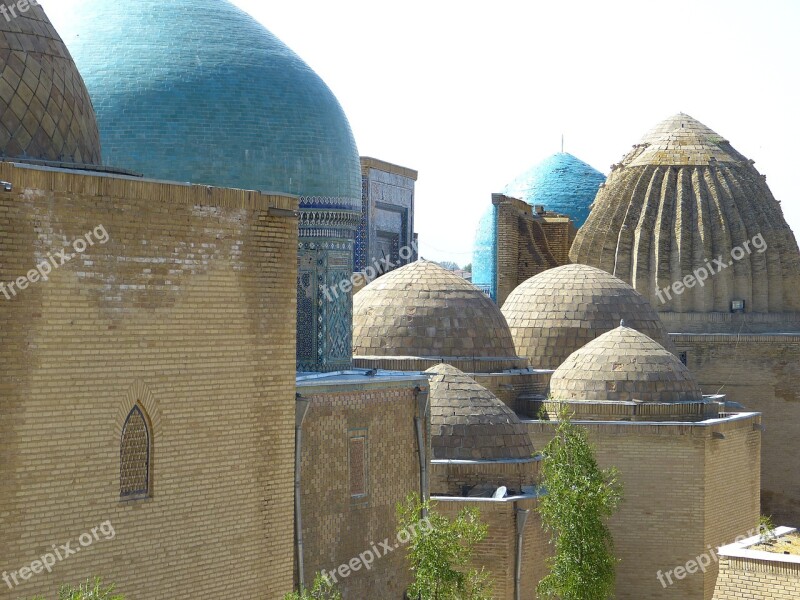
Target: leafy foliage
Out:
[440,553]
[322,589]
[580,498]
[766,528]
[90,590]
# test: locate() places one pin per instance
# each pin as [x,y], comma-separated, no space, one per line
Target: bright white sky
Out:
[473,93]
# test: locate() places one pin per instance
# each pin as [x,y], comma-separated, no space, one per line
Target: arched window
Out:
[134,457]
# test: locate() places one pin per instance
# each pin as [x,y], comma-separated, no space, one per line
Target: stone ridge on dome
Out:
[561,183]
[424,310]
[468,422]
[560,310]
[624,365]
[676,203]
[46,111]
[211,97]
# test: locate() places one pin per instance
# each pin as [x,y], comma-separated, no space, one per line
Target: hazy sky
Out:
[471,94]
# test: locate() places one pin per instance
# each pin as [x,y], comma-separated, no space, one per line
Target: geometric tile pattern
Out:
[134,456]
[681,200]
[560,310]
[468,422]
[624,365]
[45,110]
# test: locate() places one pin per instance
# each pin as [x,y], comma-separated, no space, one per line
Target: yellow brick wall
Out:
[337,527]
[760,372]
[672,476]
[189,309]
[497,553]
[746,579]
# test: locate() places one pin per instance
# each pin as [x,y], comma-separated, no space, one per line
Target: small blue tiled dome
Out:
[562,183]
[197,90]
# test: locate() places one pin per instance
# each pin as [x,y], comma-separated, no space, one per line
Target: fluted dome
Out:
[562,183]
[45,111]
[191,90]
[681,199]
[555,313]
[468,422]
[424,310]
[624,364]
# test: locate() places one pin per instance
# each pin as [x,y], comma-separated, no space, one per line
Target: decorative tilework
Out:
[211,97]
[484,254]
[45,110]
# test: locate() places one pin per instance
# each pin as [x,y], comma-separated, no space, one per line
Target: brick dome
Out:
[46,111]
[424,310]
[468,422]
[680,199]
[553,314]
[624,364]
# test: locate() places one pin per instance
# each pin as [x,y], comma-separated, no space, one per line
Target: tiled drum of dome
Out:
[484,254]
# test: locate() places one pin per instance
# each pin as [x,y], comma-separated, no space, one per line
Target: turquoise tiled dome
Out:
[194,90]
[562,183]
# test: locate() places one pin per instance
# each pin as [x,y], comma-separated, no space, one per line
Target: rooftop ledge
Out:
[706,423]
[742,549]
[536,492]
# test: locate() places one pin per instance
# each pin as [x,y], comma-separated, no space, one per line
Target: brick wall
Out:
[760,371]
[684,491]
[753,579]
[527,245]
[337,526]
[497,553]
[188,310]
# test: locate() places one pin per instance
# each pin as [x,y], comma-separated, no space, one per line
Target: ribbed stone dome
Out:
[424,310]
[468,422]
[562,183]
[624,364]
[681,199]
[45,111]
[555,313]
[193,90]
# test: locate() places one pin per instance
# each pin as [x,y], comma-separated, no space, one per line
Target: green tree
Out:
[579,500]
[322,590]
[440,550]
[90,590]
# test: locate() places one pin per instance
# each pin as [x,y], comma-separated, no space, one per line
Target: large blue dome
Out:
[195,90]
[562,183]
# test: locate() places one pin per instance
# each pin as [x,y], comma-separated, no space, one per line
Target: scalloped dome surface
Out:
[45,110]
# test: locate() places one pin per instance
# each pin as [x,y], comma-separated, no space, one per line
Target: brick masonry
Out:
[684,491]
[753,579]
[338,526]
[760,371]
[188,310]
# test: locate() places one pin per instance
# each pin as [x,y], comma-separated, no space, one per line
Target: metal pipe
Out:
[301,409]
[522,518]
[421,398]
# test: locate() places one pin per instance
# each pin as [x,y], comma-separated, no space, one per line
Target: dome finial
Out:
[622,323]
